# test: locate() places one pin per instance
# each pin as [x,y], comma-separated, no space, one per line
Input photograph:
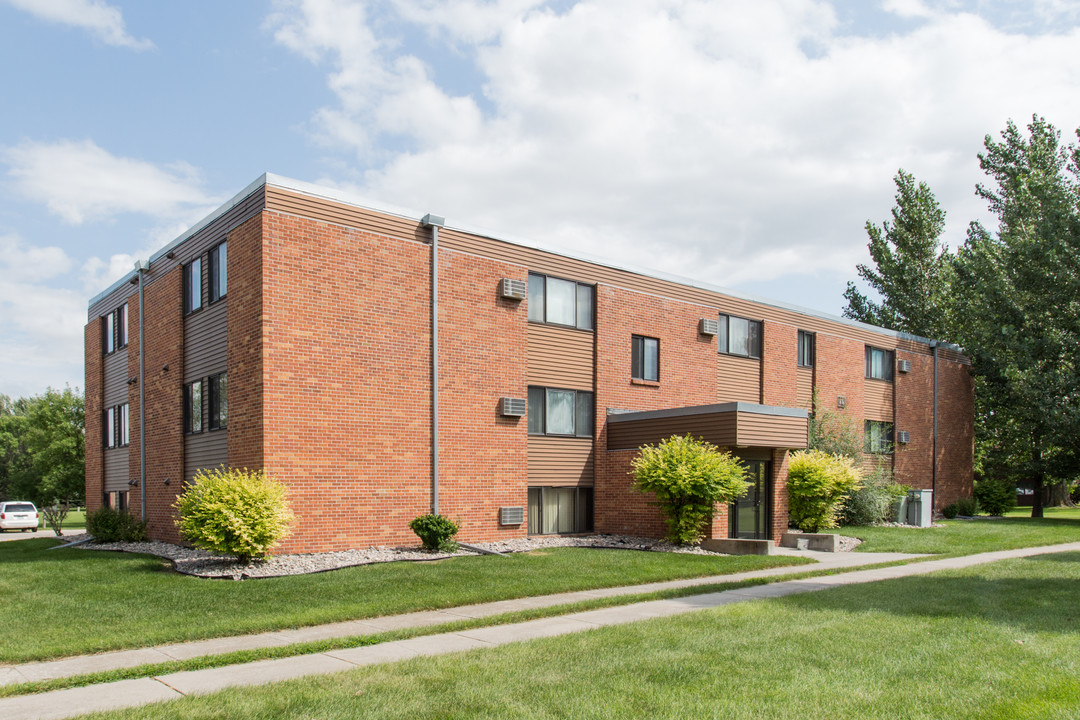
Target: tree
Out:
[1018,294]
[913,270]
[689,477]
[42,451]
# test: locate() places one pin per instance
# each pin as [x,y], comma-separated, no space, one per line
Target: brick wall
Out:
[915,414]
[164,330]
[956,432]
[244,345]
[95,469]
[687,377]
[346,372]
[483,458]
[778,365]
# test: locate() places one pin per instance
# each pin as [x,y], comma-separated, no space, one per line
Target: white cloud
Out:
[726,141]
[104,21]
[42,325]
[81,182]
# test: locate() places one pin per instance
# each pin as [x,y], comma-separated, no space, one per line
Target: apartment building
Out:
[382,363]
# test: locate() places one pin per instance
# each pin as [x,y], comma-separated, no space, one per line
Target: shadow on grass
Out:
[1036,594]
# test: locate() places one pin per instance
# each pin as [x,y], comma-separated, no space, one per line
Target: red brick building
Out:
[293,330]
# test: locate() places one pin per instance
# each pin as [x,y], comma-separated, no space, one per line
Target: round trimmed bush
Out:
[436,532]
[237,511]
[817,484]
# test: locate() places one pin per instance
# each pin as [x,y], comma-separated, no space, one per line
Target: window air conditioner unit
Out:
[513,407]
[709,326]
[903,365]
[903,437]
[511,515]
[512,289]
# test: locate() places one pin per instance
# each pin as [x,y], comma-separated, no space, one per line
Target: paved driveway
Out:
[47,532]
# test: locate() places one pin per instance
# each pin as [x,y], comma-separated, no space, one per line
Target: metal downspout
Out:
[933,472]
[141,266]
[434,222]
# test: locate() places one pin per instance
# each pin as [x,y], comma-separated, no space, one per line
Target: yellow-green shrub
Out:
[240,512]
[688,477]
[817,484]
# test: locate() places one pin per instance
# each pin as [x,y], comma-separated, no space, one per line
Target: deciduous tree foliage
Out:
[1018,295]
[912,269]
[42,451]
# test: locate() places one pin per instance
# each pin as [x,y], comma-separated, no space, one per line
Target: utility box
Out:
[917,508]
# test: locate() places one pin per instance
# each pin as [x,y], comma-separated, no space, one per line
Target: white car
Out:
[18,515]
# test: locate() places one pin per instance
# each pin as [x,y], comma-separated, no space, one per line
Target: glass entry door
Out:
[749,516]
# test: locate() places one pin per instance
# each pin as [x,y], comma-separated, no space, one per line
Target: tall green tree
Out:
[43,450]
[1018,294]
[912,269]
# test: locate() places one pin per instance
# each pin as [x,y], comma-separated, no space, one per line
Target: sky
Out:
[743,144]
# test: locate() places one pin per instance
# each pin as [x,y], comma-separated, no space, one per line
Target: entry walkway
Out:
[131,693]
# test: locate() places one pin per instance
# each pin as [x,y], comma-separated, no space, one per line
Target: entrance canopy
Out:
[731,425]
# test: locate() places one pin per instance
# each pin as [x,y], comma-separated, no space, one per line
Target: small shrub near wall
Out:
[876,501]
[688,477]
[108,525]
[818,484]
[241,512]
[968,507]
[436,532]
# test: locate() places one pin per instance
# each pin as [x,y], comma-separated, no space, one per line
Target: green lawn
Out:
[964,537]
[71,602]
[995,641]
[1058,513]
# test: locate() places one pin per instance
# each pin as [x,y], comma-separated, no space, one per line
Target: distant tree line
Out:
[43,451]
[1009,296]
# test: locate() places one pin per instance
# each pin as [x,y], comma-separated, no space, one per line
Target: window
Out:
[560,412]
[555,510]
[878,437]
[193,285]
[193,407]
[114,330]
[217,397]
[806,349]
[879,364]
[109,434]
[123,425]
[115,426]
[739,336]
[219,272]
[560,302]
[644,358]
[116,500]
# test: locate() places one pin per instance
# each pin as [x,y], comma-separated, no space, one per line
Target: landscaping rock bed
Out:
[192,561]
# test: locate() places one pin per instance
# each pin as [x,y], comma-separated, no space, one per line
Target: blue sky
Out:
[743,144]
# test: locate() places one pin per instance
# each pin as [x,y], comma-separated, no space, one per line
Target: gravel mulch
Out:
[201,563]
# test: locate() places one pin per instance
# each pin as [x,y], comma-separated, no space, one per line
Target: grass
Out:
[56,601]
[995,641]
[964,537]
[1057,513]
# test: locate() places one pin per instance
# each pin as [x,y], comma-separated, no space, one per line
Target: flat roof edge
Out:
[743,407]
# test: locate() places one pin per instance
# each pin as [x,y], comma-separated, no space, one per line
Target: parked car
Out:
[18,515]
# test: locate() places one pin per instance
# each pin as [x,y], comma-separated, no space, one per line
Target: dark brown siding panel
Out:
[560,357]
[205,346]
[717,428]
[878,400]
[116,470]
[292,203]
[804,387]
[771,431]
[116,378]
[205,450]
[560,461]
[738,379]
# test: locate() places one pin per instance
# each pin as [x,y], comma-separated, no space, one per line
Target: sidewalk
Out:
[131,693]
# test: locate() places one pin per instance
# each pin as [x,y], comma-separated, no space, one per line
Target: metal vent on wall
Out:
[511,515]
[903,365]
[513,289]
[709,326]
[513,407]
[903,437]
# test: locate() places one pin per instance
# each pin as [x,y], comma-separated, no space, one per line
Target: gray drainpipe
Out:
[141,266]
[434,222]
[933,472]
